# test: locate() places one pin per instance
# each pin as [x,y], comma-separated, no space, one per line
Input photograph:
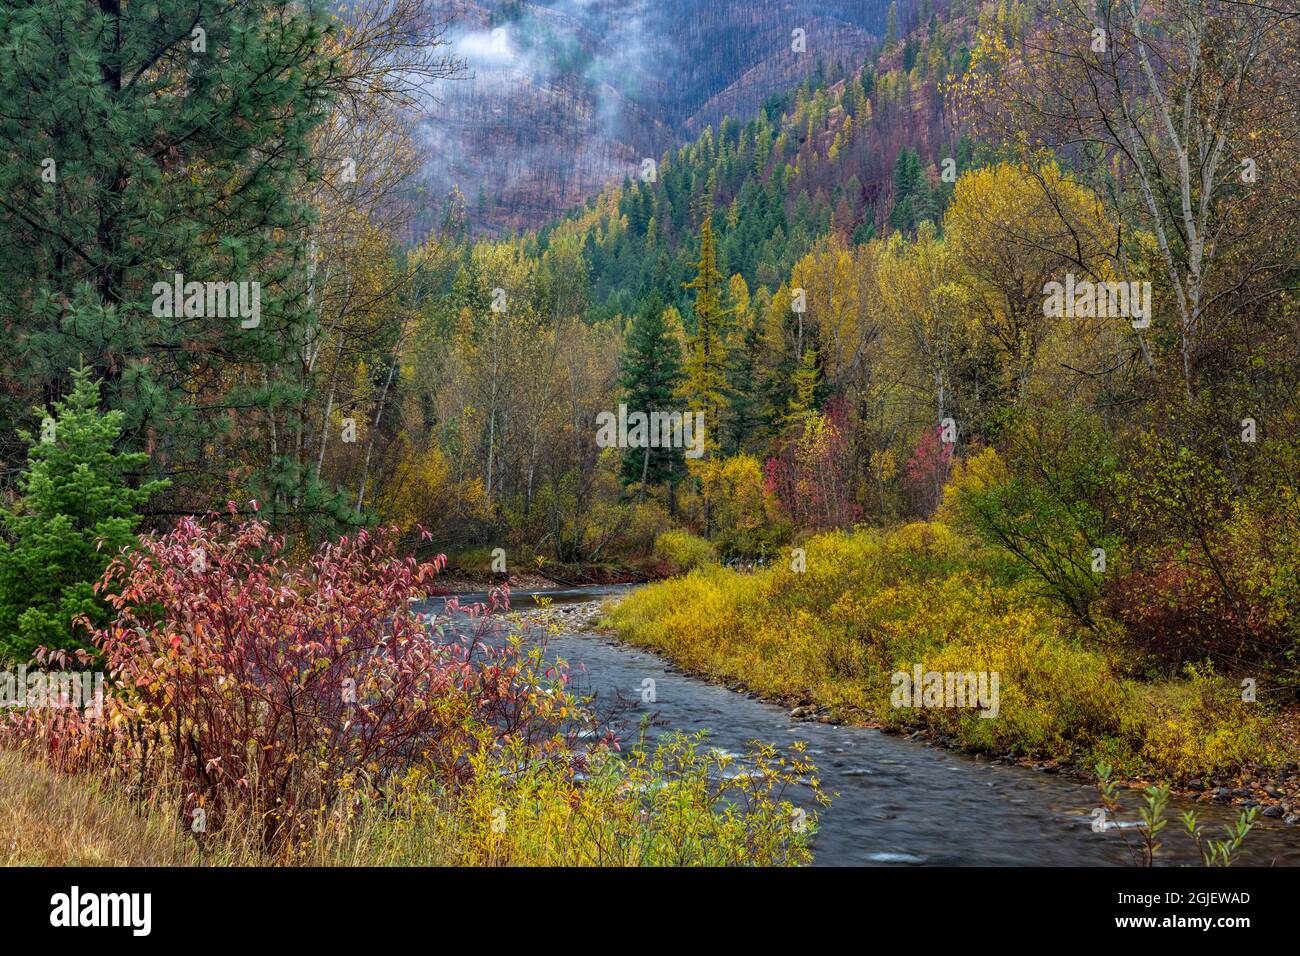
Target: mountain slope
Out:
[564,95]
[856,151]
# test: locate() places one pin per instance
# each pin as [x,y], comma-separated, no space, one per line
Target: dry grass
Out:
[658,807]
[48,818]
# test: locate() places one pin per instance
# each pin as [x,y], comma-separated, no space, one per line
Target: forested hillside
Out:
[793,197]
[561,96]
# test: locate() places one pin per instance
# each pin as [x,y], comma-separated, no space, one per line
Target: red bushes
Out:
[272,687]
[811,478]
[927,470]
[1177,612]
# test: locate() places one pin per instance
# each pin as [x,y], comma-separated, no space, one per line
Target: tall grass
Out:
[678,803]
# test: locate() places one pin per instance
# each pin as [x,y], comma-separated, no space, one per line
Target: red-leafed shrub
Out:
[927,471]
[278,689]
[812,476]
[1213,557]
[1179,613]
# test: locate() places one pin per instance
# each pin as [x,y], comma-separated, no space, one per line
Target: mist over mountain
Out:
[562,96]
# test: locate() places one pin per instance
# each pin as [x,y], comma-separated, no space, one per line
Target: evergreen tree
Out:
[143,141]
[650,373]
[912,200]
[864,233]
[910,46]
[704,385]
[745,424]
[779,364]
[75,512]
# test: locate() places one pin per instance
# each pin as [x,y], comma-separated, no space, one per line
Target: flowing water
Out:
[895,801]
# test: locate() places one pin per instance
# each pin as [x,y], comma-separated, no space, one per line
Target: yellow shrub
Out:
[649,520]
[421,490]
[871,603]
[1200,726]
[683,550]
[977,473]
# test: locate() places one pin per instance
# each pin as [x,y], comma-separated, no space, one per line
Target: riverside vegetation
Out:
[264,710]
[874,602]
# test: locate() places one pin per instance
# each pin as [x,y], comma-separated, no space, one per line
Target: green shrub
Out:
[1052,510]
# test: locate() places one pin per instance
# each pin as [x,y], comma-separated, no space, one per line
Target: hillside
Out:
[853,150]
[562,96]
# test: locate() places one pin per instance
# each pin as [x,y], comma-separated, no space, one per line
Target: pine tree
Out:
[745,425]
[143,141]
[75,512]
[651,371]
[910,47]
[912,200]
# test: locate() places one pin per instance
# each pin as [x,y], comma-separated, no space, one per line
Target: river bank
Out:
[1273,790]
[897,800]
[457,581]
